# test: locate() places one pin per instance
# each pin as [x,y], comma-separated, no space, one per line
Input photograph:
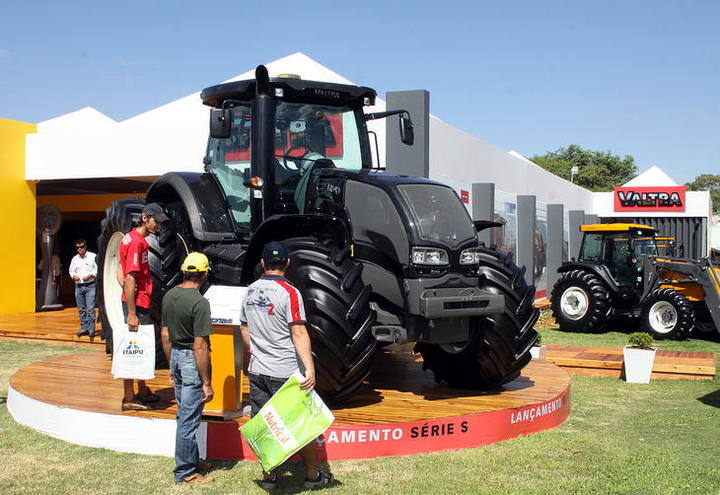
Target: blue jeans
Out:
[189,395]
[85,298]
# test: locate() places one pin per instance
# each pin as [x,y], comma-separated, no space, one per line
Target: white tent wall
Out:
[460,159]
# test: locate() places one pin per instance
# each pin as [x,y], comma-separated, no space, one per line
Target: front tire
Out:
[499,345]
[339,315]
[165,255]
[667,314]
[580,302]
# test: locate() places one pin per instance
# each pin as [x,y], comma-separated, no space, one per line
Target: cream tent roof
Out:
[653,176]
[172,137]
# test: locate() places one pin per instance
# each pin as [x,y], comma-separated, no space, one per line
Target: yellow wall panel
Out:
[17,235]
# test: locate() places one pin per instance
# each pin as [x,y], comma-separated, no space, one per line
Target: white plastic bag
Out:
[134,353]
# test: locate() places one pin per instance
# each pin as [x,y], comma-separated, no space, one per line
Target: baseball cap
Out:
[156,211]
[195,262]
[274,252]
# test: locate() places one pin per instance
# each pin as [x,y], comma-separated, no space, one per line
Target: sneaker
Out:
[270,482]
[147,398]
[134,405]
[196,479]
[82,332]
[323,479]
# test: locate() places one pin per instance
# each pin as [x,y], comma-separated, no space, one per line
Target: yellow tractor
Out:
[619,273]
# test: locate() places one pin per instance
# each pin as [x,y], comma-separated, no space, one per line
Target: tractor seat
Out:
[313,161]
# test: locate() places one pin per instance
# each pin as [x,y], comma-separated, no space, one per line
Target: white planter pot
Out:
[538,351]
[638,364]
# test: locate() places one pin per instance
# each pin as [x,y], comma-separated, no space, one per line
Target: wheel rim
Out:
[112,290]
[574,303]
[662,317]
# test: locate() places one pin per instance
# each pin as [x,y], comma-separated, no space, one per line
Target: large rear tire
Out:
[667,314]
[499,345]
[338,311]
[166,253]
[580,302]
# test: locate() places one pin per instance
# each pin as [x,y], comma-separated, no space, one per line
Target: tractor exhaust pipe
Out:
[262,159]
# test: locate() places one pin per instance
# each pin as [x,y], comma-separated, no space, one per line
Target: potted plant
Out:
[639,358]
[537,351]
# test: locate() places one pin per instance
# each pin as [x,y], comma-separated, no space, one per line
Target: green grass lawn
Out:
[620,438]
[616,335]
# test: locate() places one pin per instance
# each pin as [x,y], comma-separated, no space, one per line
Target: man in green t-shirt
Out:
[185,332]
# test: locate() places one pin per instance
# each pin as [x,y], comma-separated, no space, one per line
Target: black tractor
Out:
[378,257]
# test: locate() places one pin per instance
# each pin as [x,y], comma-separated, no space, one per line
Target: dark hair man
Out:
[185,332]
[83,271]
[273,328]
[137,291]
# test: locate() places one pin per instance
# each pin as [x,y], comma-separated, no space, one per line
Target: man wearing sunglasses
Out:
[83,271]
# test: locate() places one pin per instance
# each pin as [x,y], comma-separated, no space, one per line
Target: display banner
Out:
[640,199]
[414,437]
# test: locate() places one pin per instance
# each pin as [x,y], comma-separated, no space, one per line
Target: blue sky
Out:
[634,77]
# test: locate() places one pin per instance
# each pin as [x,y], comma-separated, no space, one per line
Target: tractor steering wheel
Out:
[297,159]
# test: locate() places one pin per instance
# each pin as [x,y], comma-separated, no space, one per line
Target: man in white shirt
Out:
[83,271]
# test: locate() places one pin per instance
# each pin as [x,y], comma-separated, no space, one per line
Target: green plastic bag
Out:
[290,420]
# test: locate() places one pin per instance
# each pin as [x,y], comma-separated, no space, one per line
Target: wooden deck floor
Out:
[605,361]
[61,326]
[398,389]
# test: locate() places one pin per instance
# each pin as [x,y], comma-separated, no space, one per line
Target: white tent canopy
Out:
[653,176]
[88,144]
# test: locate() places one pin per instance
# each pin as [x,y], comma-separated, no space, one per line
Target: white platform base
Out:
[133,434]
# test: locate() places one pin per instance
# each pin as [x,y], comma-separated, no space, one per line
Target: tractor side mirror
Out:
[407,132]
[220,123]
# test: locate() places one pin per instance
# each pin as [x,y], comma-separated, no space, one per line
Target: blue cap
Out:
[274,252]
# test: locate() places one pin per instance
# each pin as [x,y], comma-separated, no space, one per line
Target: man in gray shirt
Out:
[273,328]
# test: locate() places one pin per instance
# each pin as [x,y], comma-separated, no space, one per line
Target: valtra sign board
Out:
[639,199]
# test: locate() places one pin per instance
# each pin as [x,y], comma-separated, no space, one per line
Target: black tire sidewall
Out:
[685,314]
[595,318]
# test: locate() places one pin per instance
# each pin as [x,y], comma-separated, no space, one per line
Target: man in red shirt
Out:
[137,292]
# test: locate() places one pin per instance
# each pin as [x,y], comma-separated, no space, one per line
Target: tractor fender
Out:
[281,227]
[203,200]
[592,268]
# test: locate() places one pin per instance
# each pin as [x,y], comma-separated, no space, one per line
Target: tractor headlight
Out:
[470,256]
[429,256]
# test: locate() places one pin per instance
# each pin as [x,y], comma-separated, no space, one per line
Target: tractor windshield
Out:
[304,134]
[438,214]
[644,246]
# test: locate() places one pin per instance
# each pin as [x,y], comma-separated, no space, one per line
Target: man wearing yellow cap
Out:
[185,333]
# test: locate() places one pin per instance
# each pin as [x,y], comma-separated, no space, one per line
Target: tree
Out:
[708,182]
[597,170]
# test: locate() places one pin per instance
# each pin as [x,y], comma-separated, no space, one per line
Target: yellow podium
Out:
[226,356]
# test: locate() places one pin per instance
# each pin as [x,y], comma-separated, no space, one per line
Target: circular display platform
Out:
[400,410]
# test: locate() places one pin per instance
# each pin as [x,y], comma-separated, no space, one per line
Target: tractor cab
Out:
[620,249]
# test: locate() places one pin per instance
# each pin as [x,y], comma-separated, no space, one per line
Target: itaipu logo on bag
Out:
[132,348]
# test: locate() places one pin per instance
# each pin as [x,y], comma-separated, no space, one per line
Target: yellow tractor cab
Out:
[621,249]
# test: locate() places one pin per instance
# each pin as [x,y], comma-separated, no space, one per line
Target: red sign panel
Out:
[366,441]
[639,199]
[464,196]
